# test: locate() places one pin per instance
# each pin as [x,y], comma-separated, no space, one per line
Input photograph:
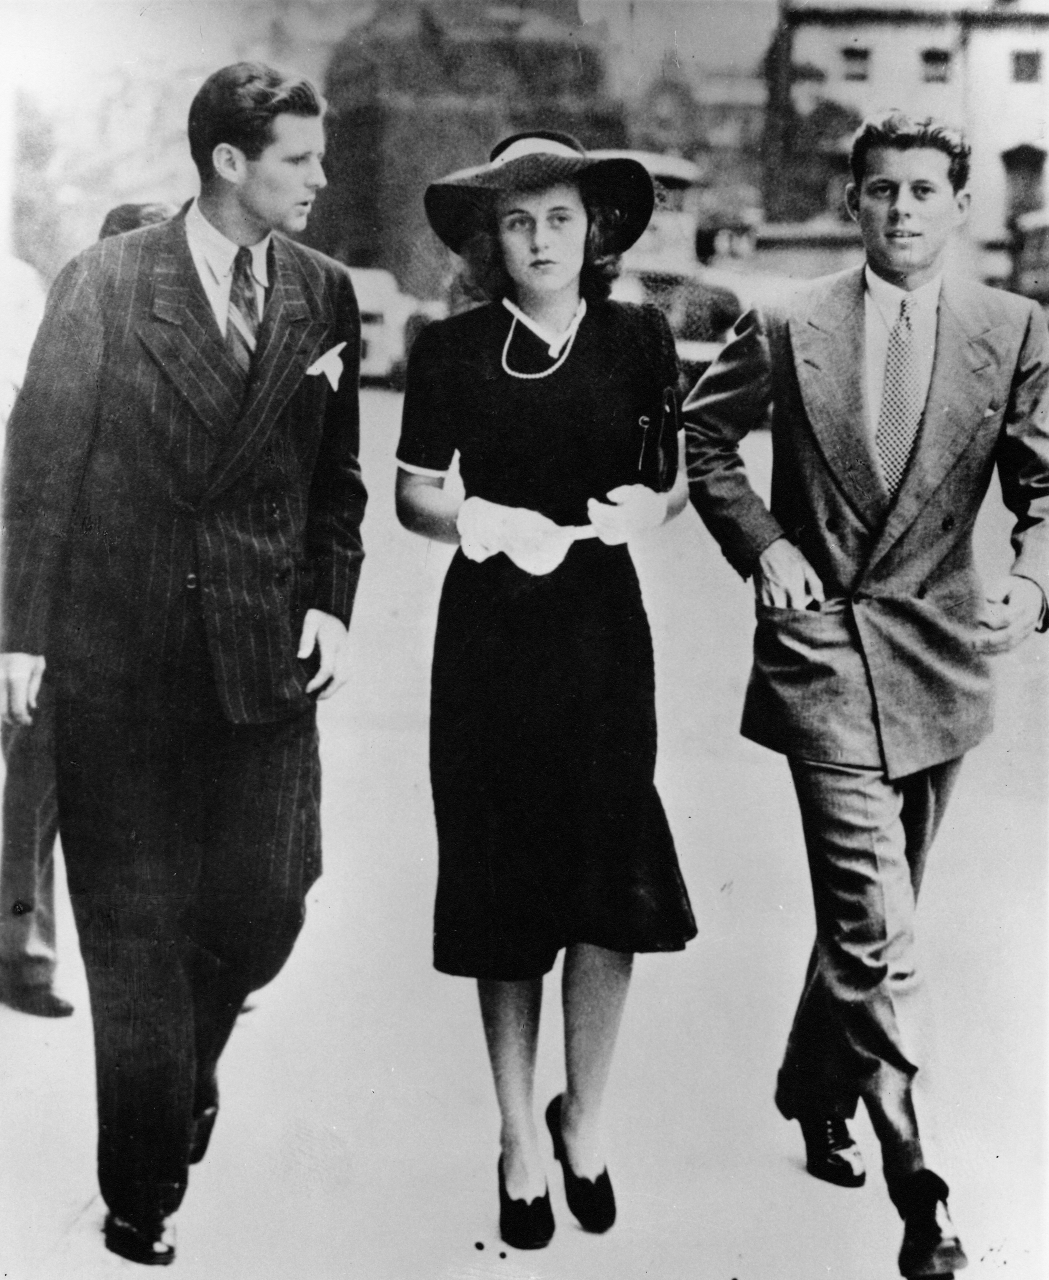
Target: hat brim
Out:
[457,205]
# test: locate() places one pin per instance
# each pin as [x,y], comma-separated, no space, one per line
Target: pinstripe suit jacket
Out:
[885,674]
[165,531]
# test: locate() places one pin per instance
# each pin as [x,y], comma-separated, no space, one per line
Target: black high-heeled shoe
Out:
[525,1224]
[591,1200]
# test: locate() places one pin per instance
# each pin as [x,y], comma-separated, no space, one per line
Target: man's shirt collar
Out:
[887,297]
[218,252]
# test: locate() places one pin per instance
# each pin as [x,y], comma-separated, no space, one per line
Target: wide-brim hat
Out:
[457,205]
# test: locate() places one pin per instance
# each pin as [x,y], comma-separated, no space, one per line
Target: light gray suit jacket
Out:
[885,674]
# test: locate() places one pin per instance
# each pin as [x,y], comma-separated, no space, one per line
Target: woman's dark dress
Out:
[543,729]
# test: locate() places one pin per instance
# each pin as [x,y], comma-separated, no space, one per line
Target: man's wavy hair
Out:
[238,104]
[897,131]
[484,277]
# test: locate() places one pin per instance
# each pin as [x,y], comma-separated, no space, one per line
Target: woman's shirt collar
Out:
[555,343]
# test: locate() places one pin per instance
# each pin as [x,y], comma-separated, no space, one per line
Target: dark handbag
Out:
[658,455]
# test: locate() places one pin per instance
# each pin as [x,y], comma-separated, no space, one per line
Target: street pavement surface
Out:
[358,1131]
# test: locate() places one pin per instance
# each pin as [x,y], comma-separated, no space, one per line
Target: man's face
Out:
[907,211]
[276,191]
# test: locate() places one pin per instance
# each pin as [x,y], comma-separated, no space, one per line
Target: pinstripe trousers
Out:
[190,846]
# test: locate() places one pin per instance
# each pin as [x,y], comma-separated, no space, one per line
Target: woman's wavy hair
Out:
[484,277]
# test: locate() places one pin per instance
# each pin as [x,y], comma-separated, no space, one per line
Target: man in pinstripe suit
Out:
[182,513]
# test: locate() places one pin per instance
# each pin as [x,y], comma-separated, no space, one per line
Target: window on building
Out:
[1024,178]
[1027,66]
[936,66]
[856,63]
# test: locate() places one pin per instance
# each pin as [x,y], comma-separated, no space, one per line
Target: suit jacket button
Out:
[191,581]
[921,593]
[948,524]
[832,525]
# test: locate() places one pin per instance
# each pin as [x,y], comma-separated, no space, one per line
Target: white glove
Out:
[480,525]
[631,509]
[534,543]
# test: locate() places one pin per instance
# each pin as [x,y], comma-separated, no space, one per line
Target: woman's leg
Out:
[510,1012]
[594,987]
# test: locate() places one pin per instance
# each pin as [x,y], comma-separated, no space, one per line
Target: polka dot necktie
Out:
[242,324]
[902,400]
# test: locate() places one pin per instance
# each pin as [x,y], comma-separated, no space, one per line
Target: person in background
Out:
[30,814]
[896,390]
[550,831]
[30,806]
[129,217]
[182,514]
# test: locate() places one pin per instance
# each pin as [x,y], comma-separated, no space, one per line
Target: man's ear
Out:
[230,162]
[962,201]
[852,201]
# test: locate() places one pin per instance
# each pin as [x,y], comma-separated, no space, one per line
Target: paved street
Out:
[358,1130]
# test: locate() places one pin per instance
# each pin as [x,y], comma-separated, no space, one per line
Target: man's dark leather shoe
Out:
[37,1000]
[930,1243]
[830,1152]
[152,1246]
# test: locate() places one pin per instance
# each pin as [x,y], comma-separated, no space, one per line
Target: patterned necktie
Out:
[902,400]
[242,324]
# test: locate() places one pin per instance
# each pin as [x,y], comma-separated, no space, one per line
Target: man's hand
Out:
[20,676]
[1008,616]
[784,579]
[325,632]
[631,509]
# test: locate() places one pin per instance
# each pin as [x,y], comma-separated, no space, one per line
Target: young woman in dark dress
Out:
[543,735]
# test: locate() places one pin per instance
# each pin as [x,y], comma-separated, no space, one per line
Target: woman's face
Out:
[543,236]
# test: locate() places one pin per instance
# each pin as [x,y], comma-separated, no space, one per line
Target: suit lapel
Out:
[289,340]
[184,339]
[953,409]
[828,346]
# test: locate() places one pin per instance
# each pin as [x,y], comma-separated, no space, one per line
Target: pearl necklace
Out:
[561,359]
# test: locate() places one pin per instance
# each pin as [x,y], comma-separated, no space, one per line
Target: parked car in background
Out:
[700,314]
[390,322]
[662,267]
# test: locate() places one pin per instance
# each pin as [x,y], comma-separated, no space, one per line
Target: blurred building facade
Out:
[418,90]
[690,75]
[980,64]
[419,86]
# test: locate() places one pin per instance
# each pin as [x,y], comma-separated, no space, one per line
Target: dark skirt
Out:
[542,759]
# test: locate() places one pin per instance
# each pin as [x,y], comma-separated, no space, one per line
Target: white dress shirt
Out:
[881,311]
[213,257]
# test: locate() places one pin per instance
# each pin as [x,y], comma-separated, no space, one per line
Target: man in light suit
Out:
[182,514]
[895,390]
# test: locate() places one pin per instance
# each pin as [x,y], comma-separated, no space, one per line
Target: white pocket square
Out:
[330,364]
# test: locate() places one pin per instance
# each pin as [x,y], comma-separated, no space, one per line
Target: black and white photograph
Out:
[524,639]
